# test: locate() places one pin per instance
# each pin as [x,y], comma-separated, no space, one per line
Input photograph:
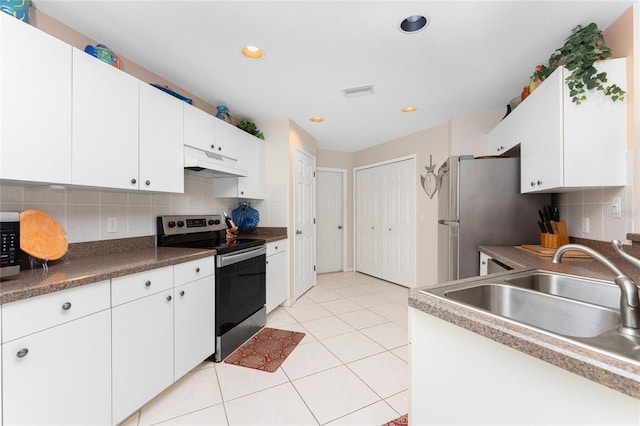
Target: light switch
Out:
[585,225]
[616,208]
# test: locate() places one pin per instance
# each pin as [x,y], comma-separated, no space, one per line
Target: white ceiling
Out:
[473,56]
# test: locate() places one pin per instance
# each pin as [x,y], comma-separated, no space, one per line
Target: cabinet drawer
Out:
[193,270]
[38,313]
[276,247]
[131,287]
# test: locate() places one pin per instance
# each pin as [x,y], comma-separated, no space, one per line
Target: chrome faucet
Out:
[629,299]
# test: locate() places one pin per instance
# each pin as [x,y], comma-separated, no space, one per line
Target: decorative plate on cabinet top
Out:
[41,236]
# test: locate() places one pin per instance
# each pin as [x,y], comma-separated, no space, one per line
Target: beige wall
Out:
[468,132]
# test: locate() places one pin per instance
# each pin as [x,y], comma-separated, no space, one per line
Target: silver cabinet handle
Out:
[182,293]
[148,283]
[539,182]
[133,181]
[22,353]
[148,183]
[169,298]
[66,306]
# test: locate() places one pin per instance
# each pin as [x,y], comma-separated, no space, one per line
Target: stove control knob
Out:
[171,224]
[216,222]
[211,222]
[180,224]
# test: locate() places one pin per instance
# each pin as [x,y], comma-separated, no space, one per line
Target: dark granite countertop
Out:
[620,374]
[79,271]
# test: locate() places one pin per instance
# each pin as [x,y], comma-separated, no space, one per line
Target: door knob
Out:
[339,226]
[298,232]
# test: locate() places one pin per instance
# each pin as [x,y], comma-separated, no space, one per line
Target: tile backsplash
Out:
[596,207]
[84,212]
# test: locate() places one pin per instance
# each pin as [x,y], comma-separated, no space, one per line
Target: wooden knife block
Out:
[555,240]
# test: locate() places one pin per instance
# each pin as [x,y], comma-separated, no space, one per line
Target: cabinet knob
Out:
[267,262]
[66,306]
[148,284]
[276,247]
[169,298]
[372,227]
[182,293]
[133,180]
[484,262]
[197,270]
[539,182]
[148,183]
[533,183]
[213,147]
[22,353]
[241,192]
[339,226]
[219,148]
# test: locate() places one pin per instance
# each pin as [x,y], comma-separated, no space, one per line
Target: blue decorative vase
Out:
[223,113]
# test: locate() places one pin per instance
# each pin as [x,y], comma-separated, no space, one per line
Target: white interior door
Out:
[368,226]
[304,249]
[330,220]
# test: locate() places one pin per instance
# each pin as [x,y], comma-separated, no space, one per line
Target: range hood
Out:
[211,163]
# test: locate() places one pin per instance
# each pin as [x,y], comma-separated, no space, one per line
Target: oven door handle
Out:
[231,258]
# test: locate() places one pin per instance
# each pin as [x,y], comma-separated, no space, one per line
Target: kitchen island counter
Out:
[619,374]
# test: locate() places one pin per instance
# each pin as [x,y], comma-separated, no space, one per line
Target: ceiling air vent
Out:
[352,92]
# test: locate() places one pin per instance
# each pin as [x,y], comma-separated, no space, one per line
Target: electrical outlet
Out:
[616,208]
[112,224]
[585,225]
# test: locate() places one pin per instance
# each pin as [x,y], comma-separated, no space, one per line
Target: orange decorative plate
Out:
[41,236]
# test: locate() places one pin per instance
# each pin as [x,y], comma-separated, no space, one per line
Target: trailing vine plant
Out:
[582,49]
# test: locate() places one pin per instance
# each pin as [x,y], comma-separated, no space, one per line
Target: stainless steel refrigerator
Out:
[479,203]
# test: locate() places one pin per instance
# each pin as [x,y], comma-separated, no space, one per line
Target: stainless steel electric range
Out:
[240,275]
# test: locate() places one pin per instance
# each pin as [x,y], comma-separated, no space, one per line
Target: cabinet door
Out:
[105,124]
[227,136]
[194,326]
[142,352]
[161,141]
[277,287]
[251,158]
[198,128]
[60,376]
[484,263]
[35,104]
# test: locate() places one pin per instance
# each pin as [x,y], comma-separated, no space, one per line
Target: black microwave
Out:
[9,244]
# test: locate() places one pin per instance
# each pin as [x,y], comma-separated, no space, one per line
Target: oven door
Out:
[240,287]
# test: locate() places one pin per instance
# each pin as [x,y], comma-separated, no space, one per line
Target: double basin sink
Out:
[578,309]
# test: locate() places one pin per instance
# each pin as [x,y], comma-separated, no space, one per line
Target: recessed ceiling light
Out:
[409,109]
[413,24]
[252,52]
[316,119]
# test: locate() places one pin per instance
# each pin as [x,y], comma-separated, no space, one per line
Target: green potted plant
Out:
[581,50]
[250,127]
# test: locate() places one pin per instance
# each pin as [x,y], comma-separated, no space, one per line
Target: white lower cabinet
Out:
[194,324]
[59,376]
[142,351]
[277,283]
[451,367]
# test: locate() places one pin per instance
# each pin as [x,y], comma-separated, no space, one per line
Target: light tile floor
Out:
[350,369]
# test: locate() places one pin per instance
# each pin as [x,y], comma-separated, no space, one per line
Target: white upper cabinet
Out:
[198,128]
[161,141]
[35,104]
[564,146]
[251,158]
[105,124]
[227,136]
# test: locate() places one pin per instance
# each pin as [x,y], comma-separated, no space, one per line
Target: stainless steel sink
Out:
[584,289]
[582,310]
[559,315]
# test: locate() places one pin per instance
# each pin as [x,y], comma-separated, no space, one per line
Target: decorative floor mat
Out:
[266,350]
[400,421]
